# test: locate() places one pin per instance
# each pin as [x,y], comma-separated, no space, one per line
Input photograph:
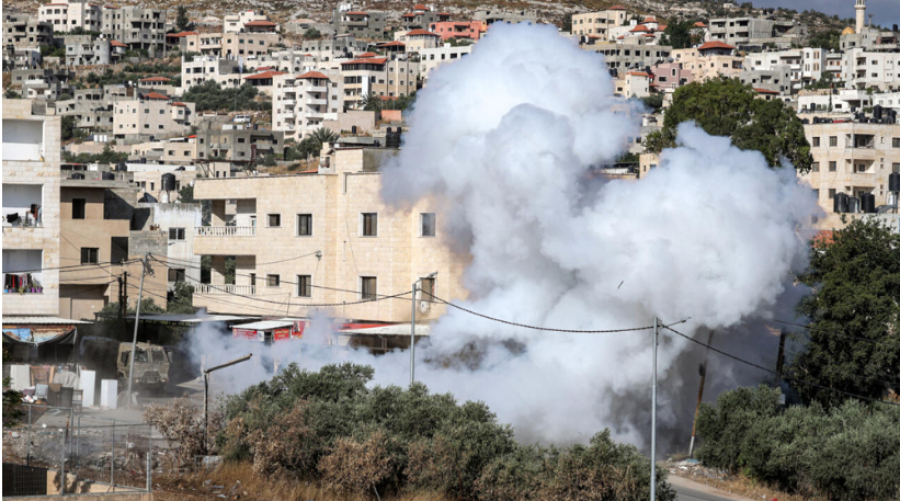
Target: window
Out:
[176,233]
[89,255]
[428,224]
[304,225]
[370,224]
[816,142]
[369,285]
[896,142]
[815,166]
[895,168]
[274,220]
[832,141]
[831,192]
[273,280]
[304,285]
[78,208]
[427,289]
[832,166]
[176,275]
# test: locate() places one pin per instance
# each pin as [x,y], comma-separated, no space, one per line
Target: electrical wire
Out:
[72,268]
[766,369]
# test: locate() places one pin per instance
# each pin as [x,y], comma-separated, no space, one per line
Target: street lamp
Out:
[412,331]
[206,394]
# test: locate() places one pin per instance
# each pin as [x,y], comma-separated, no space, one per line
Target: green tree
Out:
[182,20]
[321,136]
[828,40]
[566,24]
[854,345]
[11,94]
[371,102]
[181,300]
[653,101]
[679,34]
[11,399]
[312,34]
[210,96]
[726,107]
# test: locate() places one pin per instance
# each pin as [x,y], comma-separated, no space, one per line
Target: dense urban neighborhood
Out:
[373,250]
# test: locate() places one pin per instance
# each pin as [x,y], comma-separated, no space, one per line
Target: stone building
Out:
[138,28]
[301,103]
[69,15]
[152,115]
[378,76]
[362,24]
[337,243]
[599,23]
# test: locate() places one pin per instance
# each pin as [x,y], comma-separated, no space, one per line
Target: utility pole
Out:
[779,365]
[653,414]
[412,332]
[703,370]
[145,268]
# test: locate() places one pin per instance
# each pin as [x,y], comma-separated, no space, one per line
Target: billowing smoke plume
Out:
[504,140]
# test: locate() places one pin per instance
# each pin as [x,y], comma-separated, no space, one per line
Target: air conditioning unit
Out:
[424,306]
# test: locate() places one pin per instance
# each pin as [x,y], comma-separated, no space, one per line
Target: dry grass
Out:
[237,481]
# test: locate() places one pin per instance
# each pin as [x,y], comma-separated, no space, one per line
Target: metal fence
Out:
[99,458]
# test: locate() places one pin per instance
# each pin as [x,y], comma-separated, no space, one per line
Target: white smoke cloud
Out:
[504,139]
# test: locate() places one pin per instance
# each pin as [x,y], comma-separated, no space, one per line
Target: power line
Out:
[766,369]
[72,268]
[535,327]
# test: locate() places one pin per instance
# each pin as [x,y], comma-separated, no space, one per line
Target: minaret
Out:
[860,15]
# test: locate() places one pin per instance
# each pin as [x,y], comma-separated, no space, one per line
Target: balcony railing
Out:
[225,231]
[210,289]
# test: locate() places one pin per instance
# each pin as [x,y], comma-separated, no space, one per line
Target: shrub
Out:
[180,421]
[357,466]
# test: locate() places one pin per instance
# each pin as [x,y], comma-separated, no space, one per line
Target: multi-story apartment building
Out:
[178,151]
[31,222]
[804,66]
[632,55]
[869,69]
[301,103]
[362,24]
[741,31]
[634,84]
[827,101]
[459,30]
[92,109]
[378,76]
[430,59]
[237,143]
[508,16]
[21,31]
[334,243]
[777,80]
[84,50]
[138,28]
[328,49]
[710,60]
[248,21]
[851,158]
[228,45]
[25,58]
[97,229]
[198,69]
[179,222]
[670,76]
[599,23]
[422,17]
[68,15]
[417,40]
[151,115]
[43,84]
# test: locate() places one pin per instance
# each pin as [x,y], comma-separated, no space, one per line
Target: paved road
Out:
[688,490]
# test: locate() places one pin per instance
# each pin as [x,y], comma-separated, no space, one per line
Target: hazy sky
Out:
[885,12]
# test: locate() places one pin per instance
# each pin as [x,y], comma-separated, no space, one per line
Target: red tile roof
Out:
[156,95]
[155,79]
[715,45]
[357,13]
[823,238]
[182,34]
[422,33]
[650,19]
[640,29]
[312,74]
[409,14]
[370,60]
[180,104]
[264,75]
[639,74]
[366,54]
[391,44]
[444,14]
[116,43]
[699,24]
[766,91]
[260,23]
[420,7]
[617,7]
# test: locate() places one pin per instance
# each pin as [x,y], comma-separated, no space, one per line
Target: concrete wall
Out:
[363,120]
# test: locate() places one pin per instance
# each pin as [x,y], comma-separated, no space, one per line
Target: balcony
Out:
[220,146]
[316,88]
[289,102]
[22,205]
[225,231]
[210,289]
[321,102]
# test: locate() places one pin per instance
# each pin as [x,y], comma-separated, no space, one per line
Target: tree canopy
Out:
[182,20]
[679,35]
[210,96]
[854,343]
[828,40]
[726,107]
